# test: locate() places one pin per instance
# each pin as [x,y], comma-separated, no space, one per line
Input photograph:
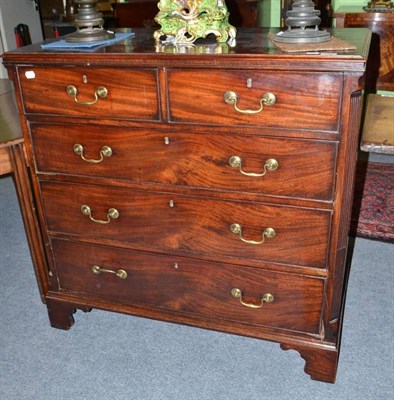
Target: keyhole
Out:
[84,79]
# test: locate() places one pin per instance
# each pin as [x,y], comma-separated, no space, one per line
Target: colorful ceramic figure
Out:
[184,21]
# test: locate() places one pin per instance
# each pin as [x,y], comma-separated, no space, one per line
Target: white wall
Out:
[12,13]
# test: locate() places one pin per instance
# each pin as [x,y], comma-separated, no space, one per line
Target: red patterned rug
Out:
[373,206]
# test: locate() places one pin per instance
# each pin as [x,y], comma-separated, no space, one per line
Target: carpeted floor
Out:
[373,206]
[106,356]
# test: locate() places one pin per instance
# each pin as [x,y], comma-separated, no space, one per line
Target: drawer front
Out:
[304,169]
[190,286]
[189,224]
[83,150]
[131,94]
[303,100]
[280,167]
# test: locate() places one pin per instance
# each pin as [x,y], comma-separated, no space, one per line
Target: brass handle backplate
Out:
[112,213]
[268,99]
[101,91]
[270,165]
[267,233]
[120,273]
[105,151]
[266,298]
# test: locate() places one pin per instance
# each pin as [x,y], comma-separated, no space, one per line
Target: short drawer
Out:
[190,286]
[101,151]
[303,100]
[91,92]
[237,230]
[283,167]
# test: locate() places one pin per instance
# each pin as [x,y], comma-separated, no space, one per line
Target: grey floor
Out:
[115,357]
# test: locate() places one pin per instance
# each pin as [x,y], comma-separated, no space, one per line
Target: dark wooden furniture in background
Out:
[141,13]
[373,204]
[243,13]
[162,199]
[326,11]
[14,161]
[381,61]
[135,13]
[51,12]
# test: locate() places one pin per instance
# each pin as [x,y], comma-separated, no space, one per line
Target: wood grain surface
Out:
[132,94]
[306,167]
[198,96]
[191,286]
[193,225]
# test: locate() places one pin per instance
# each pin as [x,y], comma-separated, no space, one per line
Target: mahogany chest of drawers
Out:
[208,185]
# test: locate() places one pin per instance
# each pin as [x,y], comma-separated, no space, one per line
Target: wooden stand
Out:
[378,131]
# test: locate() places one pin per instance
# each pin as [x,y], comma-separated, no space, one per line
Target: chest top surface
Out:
[253,48]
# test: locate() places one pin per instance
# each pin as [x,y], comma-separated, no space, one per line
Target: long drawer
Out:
[303,100]
[190,286]
[92,92]
[283,167]
[189,225]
